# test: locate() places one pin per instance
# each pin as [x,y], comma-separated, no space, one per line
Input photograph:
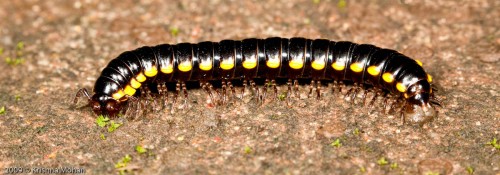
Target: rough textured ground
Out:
[67,43]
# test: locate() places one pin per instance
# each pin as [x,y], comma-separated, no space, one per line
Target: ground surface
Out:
[67,43]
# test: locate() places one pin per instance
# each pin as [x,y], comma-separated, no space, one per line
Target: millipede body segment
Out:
[269,59]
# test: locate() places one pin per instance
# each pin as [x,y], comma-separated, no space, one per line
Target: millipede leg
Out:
[224,88]
[401,112]
[364,95]
[184,90]
[386,102]
[245,85]
[149,98]
[289,84]
[351,92]
[134,103]
[79,94]
[233,91]
[372,101]
[393,105]
[163,92]
[318,89]
[273,83]
[296,88]
[177,91]
[264,93]
[341,85]
[358,90]
[436,101]
[207,87]
[334,85]
[255,89]
[311,87]
[145,95]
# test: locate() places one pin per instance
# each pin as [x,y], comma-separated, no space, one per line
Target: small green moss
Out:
[382,161]
[19,49]
[341,4]
[356,131]
[140,149]
[394,165]
[123,163]
[494,143]
[2,110]
[17,59]
[469,169]
[247,150]
[336,143]
[362,169]
[174,31]
[431,173]
[14,61]
[20,45]
[102,121]
[17,97]
[113,126]
[282,96]
[102,136]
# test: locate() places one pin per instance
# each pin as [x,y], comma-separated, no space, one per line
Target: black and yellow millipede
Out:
[269,59]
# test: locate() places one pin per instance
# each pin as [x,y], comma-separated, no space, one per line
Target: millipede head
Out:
[105,105]
[418,108]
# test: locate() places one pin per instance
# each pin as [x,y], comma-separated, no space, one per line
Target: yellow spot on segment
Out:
[250,64]
[135,84]
[185,66]
[419,62]
[388,77]
[206,65]
[338,66]
[356,67]
[151,72]
[318,64]
[168,69]
[406,95]
[141,78]
[429,78]
[274,63]
[227,64]
[373,70]
[129,90]
[296,64]
[401,87]
[118,95]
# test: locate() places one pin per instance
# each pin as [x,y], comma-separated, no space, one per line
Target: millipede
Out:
[267,59]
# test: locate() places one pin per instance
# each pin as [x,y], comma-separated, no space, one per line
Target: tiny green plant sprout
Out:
[382,161]
[18,58]
[247,150]
[494,144]
[139,149]
[336,143]
[122,164]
